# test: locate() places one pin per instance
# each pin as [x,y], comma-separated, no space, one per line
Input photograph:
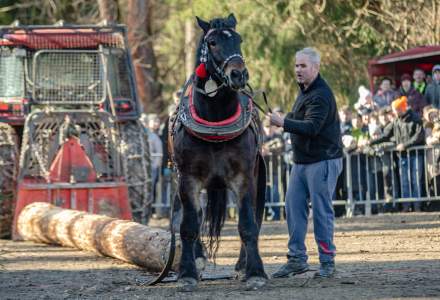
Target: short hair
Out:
[418,69]
[312,53]
[387,78]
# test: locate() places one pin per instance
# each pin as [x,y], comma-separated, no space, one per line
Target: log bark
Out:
[190,47]
[108,10]
[126,240]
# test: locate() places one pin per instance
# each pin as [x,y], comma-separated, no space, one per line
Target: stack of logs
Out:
[129,241]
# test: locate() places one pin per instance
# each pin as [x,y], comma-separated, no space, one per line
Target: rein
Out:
[171,253]
[205,57]
[225,81]
[251,94]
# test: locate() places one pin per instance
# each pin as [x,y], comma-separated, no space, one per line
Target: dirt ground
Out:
[382,257]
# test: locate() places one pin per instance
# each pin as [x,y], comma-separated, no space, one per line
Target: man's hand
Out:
[400,147]
[276,119]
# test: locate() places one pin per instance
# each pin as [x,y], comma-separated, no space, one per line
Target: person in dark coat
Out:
[432,93]
[407,131]
[317,154]
[416,101]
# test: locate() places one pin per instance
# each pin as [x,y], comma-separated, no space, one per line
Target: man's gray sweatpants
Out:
[317,182]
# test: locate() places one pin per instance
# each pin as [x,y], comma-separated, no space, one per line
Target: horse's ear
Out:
[203,24]
[232,21]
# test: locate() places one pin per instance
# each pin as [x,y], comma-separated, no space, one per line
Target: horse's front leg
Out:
[248,229]
[189,189]
[240,266]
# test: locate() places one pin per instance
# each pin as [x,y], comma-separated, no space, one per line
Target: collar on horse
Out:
[214,132]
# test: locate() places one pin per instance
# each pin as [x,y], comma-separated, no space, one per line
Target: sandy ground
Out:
[382,257]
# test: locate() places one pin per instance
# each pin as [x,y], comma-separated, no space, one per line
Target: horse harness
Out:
[186,117]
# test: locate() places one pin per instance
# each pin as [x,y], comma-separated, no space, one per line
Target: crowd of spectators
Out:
[382,135]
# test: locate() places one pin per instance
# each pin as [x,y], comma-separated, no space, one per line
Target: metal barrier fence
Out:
[370,182]
[391,177]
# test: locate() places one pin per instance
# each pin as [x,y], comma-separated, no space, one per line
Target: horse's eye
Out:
[212,43]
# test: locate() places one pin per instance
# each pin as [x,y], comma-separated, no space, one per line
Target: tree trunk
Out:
[139,22]
[108,10]
[129,241]
[190,47]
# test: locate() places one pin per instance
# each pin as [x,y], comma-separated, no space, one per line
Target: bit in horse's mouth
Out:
[236,87]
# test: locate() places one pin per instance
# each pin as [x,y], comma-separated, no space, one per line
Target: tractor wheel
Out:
[136,164]
[8,176]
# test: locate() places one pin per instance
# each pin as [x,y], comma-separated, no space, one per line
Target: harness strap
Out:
[251,94]
[171,253]
[255,126]
[198,119]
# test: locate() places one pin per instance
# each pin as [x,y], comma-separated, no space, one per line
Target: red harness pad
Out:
[225,122]
[220,131]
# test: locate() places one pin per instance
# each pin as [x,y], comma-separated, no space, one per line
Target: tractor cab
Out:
[67,66]
[67,94]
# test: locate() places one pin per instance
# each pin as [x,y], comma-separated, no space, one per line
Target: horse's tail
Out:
[215,217]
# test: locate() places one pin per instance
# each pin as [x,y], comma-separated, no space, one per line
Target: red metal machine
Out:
[69,123]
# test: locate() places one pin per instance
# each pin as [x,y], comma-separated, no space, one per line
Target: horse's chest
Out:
[206,160]
[212,163]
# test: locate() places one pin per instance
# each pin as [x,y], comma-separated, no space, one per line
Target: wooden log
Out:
[126,240]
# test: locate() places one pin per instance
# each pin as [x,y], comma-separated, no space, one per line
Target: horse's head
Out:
[220,50]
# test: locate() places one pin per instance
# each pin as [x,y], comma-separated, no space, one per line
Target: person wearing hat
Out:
[432,93]
[430,118]
[406,131]
[415,100]
[365,103]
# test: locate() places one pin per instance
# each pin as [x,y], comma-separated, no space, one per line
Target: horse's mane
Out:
[221,23]
[199,51]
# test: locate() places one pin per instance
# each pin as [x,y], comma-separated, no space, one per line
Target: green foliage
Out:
[48,12]
[6,11]
[347,34]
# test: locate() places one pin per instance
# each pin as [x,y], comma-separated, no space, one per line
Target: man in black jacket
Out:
[317,154]
[406,131]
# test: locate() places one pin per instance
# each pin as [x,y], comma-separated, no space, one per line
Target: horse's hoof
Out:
[240,275]
[200,264]
[255,283]
[187,284]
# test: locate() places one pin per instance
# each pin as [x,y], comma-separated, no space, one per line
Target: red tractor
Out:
[69,123]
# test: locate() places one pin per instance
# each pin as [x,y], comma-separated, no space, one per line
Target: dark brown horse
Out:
[216,147]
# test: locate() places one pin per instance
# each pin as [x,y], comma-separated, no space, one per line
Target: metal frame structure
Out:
[366,183]
[79,82]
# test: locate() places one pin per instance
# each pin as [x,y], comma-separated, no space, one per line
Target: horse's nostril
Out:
[235,74]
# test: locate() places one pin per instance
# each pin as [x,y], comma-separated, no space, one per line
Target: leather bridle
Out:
[206,58]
